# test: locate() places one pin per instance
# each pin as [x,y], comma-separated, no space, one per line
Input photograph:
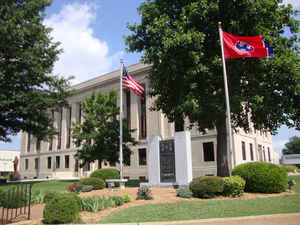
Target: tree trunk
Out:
[222,156]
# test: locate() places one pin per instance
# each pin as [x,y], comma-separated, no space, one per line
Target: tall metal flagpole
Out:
[121,118]
[227,98]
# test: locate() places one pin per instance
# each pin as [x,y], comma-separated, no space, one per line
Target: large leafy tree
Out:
[292,147]
[98,134]
[28,91]
[180,39]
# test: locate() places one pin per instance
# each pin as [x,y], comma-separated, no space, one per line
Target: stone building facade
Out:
[55,158]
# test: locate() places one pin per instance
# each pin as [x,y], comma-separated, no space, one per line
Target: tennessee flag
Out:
[245,47]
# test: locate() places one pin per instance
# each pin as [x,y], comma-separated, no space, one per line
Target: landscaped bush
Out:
[87,188]
[97,183]
[135,182]
[51,194]
[234,186]
[105,174]
[206,186]
[63,208]
[291,169]
[184,193]
[262,177]
[13,199]
[37,197]
[95,203]
[117,199]
[144,193]
[126,198]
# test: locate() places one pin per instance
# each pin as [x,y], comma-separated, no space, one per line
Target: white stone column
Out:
[183,158]
[153,160]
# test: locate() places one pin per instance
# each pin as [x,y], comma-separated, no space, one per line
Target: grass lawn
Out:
[204,209]
[43,186]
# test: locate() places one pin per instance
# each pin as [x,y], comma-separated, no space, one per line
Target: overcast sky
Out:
[91,35]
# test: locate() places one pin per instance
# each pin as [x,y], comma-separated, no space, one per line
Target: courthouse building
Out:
[55,158]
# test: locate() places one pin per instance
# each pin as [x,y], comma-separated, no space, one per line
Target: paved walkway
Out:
[279,219]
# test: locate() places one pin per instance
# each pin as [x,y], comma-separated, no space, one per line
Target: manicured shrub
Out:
[63,208]
[262,177]
[234,186]
[184,193]
[97,183]
[51,194]
[117,200]
[13,199]
[126,198]
[144,193]
[135,182]
[206,186]
[87,188]
[291,169]
[107,173]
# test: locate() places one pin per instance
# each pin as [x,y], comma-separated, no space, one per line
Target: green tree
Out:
[180,39]
[99,132]
[292,147]
[28,91]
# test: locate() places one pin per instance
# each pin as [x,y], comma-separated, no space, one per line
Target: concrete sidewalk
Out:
[278,219]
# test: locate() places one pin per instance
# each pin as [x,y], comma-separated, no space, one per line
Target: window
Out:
[128,112]
[67,161]
[142,157]
[143,127]
[26,164]
[87,167]
[38,145]
[79,119]
[269,154]
[208,151]
[59,129]
[76,165]
[264,153]
[28,142]
[142,178]
[57,162]
[260,153]
[251,152]
[49,162]
[244,150]
[51,139]
[36,163]
[69,120]
[112,164]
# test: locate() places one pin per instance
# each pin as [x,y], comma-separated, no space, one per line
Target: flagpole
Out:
[121,118]
[227,99]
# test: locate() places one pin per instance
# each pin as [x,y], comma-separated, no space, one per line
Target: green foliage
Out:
[98,134]
[117,200]
[107,173]
[234,186]
[291,169]
[75,187]
[206,186]
[135,182]
[180,40]
[13,199]
[50,194]
[97,183]
[28,90]
[87,188]
[37,197]
[126,198]
[262,177]
[292,147]
[184,193]
[63,208]
[95,203]
[144,193]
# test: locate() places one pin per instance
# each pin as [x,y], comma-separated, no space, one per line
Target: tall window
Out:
[128,112]
[67,161]
[36,163]
[269,154]
[26,164]
[69,120]
[51,139]
[244,150]
[79,119]
[260,152]
[76,165]
[38,145]
[251,152]
[208,151]
[143,127]
[28,141]
[142,156]
[264,153]
[57,162]
[49,162]
[59,129]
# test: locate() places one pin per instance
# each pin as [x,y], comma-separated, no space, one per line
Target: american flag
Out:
[129,82]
